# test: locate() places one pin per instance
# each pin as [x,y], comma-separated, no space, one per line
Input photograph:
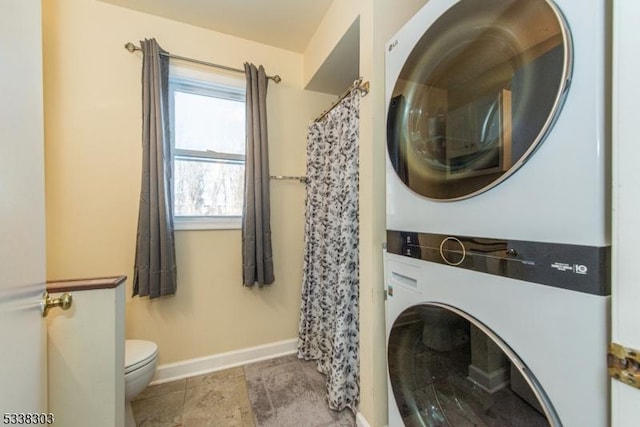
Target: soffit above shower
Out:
[342,66]
[287,24]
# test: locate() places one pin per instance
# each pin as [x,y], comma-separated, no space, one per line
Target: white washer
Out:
[497,214]
[557,335]
[453,74]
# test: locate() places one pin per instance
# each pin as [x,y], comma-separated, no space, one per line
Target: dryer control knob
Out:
[452,251]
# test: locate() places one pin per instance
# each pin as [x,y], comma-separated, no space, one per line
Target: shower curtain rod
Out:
[132,48]
[356,85]
[301,179]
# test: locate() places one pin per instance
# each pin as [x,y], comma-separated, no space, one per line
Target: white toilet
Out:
[140,359]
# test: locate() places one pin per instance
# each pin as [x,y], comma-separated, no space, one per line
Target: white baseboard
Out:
[217,362]
[361,421]
[490,382]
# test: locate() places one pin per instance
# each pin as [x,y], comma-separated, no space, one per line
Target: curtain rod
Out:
[356,85]
[301,179]
[132,48]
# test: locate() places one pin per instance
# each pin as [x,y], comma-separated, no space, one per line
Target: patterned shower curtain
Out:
[328,329]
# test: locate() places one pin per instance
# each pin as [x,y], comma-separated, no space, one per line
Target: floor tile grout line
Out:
[266,390]
[184,402]
[246,388]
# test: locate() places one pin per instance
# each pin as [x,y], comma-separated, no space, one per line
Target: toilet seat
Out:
[138,353]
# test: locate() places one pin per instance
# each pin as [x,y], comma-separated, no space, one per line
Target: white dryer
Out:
[496,121]
[497,270]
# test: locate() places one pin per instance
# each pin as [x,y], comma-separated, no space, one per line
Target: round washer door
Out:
[477,94]
[448,369]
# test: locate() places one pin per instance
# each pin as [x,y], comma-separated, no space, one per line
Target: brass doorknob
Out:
[63,301]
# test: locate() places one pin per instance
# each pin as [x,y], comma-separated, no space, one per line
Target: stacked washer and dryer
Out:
[497,258]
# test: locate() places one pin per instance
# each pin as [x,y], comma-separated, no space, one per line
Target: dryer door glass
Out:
[478,93]
[447,369]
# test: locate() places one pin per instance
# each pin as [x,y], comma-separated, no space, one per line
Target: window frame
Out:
[217,88]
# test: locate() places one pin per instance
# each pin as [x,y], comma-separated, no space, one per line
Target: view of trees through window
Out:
[209,137]
[208,188]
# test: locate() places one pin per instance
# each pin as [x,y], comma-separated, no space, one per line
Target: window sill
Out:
[200,223]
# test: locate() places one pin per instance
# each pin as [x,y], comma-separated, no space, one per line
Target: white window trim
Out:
[233,87]
[182,223]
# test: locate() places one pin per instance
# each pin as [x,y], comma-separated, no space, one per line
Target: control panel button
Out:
[452,251]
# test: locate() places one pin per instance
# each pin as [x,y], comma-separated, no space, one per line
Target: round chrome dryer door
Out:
[448,369]
[476,96]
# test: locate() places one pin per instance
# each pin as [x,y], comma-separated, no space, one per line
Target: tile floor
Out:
[278,392]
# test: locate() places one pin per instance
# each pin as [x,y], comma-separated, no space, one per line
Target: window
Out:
[208,137]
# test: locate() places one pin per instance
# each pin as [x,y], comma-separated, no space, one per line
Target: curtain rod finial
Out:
[276,78]
[130,47]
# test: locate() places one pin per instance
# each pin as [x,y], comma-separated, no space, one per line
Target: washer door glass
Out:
[477,94]
[447,369]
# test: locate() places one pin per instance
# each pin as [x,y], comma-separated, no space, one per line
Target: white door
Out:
[626,199]
[22,222]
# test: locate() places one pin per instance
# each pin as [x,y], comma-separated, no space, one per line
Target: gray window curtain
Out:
[257,261]
[329,324]
[155,270]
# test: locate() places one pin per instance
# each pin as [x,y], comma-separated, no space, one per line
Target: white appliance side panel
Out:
[626,176]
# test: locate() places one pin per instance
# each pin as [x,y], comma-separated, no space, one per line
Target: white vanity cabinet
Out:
[86,353]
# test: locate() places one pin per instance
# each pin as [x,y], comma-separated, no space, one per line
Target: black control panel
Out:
[573,267]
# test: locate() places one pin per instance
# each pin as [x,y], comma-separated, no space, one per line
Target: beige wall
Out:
[387,17]
[92,103]
[379,21]
[92,143]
